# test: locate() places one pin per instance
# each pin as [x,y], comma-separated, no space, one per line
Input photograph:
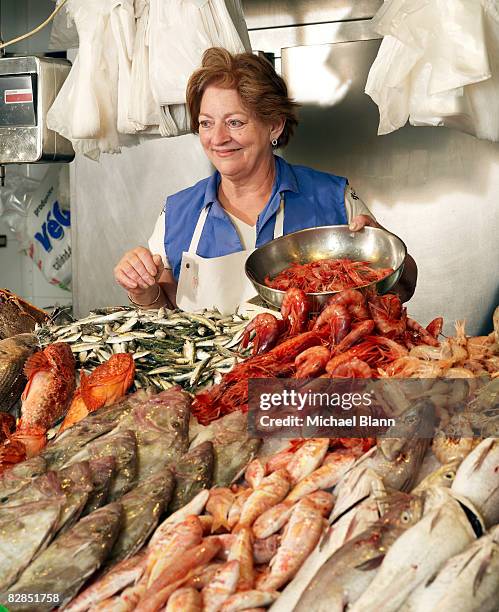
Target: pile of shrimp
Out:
[233,548]
[355,335]
[327,275]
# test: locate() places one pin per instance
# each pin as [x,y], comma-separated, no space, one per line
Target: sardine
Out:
[102,471]
[142,508]
[468,581]
[350,570]
[477,479]
[193,472]
[13,354]
[24,532]
[416,555]
[161,427]
[233,446]
[122,445]
[66,564]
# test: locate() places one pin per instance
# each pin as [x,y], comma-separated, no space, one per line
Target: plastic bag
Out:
[63,35]
[38,214]
[432,51]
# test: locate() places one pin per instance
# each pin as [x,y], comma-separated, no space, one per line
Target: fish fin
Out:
[483,454]
[370,564]
[435,519]
[35,363]
[468,561]
[481,573]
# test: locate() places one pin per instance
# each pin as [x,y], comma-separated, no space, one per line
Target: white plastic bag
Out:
[432,51]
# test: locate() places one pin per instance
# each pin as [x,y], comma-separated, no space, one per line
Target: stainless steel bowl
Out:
[381,248]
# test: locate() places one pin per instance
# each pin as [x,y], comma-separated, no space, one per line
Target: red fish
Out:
[104,386]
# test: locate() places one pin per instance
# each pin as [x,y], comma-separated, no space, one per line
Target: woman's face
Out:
[234,140]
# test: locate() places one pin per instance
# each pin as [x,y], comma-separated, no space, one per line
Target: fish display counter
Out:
[125,447]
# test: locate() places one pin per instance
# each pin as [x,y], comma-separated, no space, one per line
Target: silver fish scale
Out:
[168,346]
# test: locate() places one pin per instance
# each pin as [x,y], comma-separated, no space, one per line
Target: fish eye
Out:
[405,517]
[449,475]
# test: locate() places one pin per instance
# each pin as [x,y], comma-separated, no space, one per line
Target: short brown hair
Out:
[263,92]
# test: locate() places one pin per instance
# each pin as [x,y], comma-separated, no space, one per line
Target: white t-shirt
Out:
[247,233]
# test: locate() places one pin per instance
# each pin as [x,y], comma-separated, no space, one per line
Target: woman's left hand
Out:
[360,221]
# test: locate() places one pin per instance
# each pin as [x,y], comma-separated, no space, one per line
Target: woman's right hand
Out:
[138,270]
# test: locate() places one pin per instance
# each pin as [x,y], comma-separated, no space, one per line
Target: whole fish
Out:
[193,472]
[307,458]
[249,600]
[219,504]
[222,586]
[161,427]
[67,563]
[13,354]
[241,550]
[66,445]
[51,384]
[76,484]
[350,570]
[232,445]
[348,526]
[300,538]
[272,490]
[443,476]
[416,555]
[122,445]
[45,487]
[120,576]
[142,508]
[24,532]
[20,476]
[102,471]
[105,385]
[468,581]
[17,316]
[185,600]
[477,479]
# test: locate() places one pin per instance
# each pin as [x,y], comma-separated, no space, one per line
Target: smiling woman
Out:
[241,110]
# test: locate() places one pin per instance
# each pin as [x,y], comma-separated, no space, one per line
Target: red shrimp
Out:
[435,327]
[355,368]
[334,321]
[360,330]
[388,314]
[267,330]
[295,309]
[421,333]
[311,361]
[354,301]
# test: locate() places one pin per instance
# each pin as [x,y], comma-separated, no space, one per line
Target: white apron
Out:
[216,282]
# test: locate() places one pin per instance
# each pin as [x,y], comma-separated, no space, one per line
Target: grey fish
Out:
[142,508]
[69,561]
[24,531]
[13,354]
[76,484]
[102,421]
[350,570]
[468,581]
[42,488]
[20,476]
[233,446]
[161,426]
[193,473]
[122,445]
[102,470]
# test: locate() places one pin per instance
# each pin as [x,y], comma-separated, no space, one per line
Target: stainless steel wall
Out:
[437,188]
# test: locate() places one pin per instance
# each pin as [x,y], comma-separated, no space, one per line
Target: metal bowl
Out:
[379,247]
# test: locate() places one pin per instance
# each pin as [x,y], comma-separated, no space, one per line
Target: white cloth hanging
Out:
[432,56]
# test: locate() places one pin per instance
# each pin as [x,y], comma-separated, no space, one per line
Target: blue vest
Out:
[311,199]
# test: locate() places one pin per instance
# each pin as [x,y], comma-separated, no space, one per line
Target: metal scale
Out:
[28,87]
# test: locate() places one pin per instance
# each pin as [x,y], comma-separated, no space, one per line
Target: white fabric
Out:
[216,282]
[432,52]
[85,110]
[245,231]
[353,204]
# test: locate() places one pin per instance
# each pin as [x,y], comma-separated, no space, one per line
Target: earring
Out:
[273,142]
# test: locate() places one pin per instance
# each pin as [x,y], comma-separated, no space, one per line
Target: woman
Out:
[240,107]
